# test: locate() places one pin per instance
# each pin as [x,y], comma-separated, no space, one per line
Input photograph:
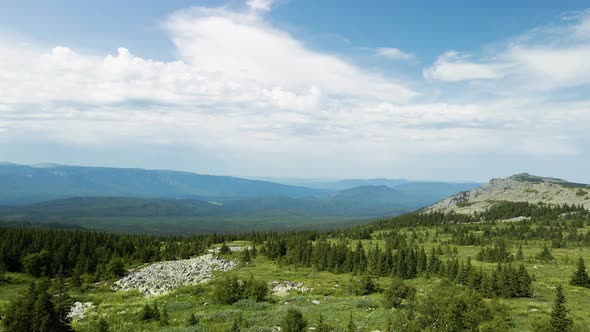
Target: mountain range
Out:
[89,196]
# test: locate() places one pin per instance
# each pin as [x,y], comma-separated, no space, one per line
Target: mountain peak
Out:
[522,187]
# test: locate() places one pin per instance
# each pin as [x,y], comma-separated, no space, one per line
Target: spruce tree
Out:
[580,276]
[560,321]
[246,256]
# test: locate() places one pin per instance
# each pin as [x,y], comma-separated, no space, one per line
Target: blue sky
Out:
[451,90]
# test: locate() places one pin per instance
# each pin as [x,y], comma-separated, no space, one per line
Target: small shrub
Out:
[545,255]
[192,320]
[397,292]
[150,312]
[581,192]
[164,317]
[364,286]
[116,267]
[322,326]
[366,302]
[103,325]
[230,290]
[293,321]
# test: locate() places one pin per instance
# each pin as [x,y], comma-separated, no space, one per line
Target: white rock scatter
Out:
[232,249]
[162,277]
[285,287]
[78,309]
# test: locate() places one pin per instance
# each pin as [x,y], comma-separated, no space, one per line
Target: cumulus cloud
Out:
[247,49]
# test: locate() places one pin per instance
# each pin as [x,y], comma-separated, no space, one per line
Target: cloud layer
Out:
[244,97]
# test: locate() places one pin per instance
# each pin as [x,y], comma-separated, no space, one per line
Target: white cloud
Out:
[453,67]
[260,5]
[393,53]
[549,68]
[543,59]
[247,49]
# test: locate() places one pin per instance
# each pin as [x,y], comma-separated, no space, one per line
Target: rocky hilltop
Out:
[516,188]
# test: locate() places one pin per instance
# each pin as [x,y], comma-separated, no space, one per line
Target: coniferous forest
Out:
[416,272]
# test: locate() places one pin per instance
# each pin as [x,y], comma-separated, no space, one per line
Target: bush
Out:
[257,289]
[192,320]
[150,312]
[365,286]
[293,321]
[38,264]
[103,325]
[397,292]
[116,267]
[230,290]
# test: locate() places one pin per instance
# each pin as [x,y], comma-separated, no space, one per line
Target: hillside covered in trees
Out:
[492,271]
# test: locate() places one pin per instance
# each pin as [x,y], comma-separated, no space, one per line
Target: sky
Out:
[439,90]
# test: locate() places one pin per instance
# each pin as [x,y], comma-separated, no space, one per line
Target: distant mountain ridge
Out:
[22,184]
[521,187]
[138,200]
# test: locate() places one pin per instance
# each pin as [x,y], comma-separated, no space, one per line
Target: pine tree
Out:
[560,322]
[61,299]
[580,276]
[224,250]
[246,256]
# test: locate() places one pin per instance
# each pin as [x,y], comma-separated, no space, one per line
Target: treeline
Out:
[397,259]
[46,252]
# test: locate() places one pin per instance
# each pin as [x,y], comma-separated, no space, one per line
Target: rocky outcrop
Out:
[78,309]
[232,249]
[286,287]
[516,188]
[162,277]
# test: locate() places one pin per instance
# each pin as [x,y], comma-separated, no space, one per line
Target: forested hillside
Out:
[515,266]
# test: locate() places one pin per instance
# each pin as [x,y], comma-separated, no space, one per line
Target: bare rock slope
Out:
[516,188]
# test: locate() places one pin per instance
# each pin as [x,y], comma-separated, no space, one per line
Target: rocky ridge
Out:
[516,188]
[162,277]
